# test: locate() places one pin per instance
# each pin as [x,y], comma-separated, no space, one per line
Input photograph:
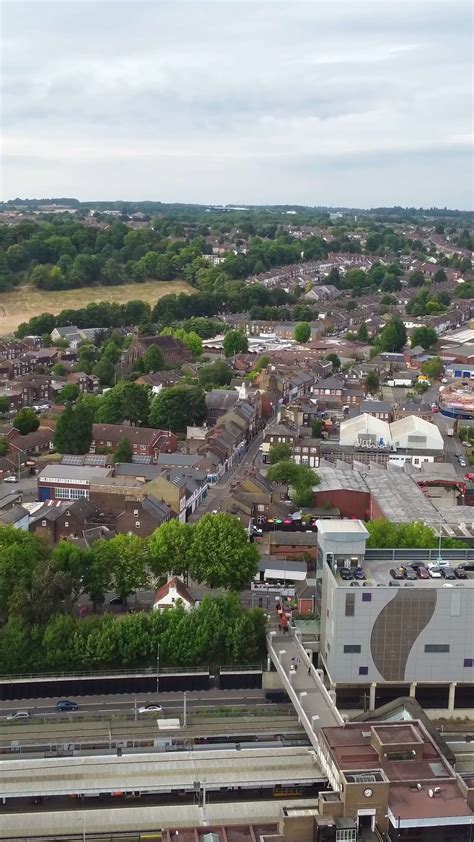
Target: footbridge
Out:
[313,702]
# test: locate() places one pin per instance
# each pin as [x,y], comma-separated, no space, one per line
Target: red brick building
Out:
[145,441]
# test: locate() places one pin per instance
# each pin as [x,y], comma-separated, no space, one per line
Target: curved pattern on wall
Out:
[396,629]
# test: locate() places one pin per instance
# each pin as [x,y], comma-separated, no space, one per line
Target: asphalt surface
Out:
[217,493]
[172,703]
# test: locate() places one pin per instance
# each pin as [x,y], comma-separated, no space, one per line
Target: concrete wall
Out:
[392,629]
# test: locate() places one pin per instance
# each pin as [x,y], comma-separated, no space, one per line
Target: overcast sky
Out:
[329,102]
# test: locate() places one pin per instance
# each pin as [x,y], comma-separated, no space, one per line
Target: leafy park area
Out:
[40,588]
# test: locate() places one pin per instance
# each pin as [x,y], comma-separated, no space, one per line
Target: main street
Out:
[217,493]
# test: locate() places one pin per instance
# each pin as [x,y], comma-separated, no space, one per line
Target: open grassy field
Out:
[25,302]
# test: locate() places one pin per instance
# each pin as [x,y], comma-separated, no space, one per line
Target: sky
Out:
[314,102]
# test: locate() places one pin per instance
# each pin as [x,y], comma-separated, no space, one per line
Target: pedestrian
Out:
[279,626]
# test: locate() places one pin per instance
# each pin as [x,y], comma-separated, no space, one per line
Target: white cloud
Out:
[191,101]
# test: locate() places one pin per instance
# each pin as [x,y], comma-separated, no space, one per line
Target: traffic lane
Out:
[169,701]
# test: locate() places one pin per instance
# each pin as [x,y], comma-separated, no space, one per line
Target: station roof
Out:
[158,772]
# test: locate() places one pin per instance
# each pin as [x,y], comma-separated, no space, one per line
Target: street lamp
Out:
[157,667]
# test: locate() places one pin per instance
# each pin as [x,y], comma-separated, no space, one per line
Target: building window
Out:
[363,670]
[469,662]
[43,523]
[351,649]
[66,523]
[71,493]
[366,597]
[436,647]
[137,524]
[350,604]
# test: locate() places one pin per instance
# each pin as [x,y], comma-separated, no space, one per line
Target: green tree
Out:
[336,362]
[317,428]
[416,279]
[363,333]
[221,555]
[235,342]
[69,393]
[153,359]
[4,404]
[73,432]
[105,371]
[424,336]
[136,402]
[124,558]
[385,534]
[279,453]
[215,375]
[393,336]
[26,421]
[433,368]
[124,451]
[302,332]
[440,277]
[169,548]
[177,407]
[300,478]
[58,369]
[372,382]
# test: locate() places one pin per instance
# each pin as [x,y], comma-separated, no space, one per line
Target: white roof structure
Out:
[354,428]
[410,433]
[413,432]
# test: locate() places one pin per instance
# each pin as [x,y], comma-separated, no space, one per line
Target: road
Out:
[218,493]
[125,702]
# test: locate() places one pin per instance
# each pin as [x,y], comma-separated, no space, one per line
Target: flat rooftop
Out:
[350,746]
[73,472]
[408,803]
[160,772]
[378,573]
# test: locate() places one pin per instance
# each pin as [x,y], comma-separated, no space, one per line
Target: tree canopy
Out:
[26,421]
[177,407]
[220,554]
[235,342]
[302,332]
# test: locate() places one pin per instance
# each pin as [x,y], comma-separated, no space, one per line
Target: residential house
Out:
[22,448]
[12,349]
[379,409]
[17,516]
[145,441]
[160,380]
[218,402]
[174,351]
[68,333]
[171,593]
[278,433]
[57,520]
[329,387]
[306,451]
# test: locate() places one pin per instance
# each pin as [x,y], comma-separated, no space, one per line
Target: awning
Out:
[288,575]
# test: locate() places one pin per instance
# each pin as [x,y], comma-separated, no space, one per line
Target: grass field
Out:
[25,302]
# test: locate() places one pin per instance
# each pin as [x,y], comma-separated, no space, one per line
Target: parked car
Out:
[448,573]
[409,572]
[422,572]
[397,573]
[345,574]
[394,584]
[359,573]
[11,478]
[460,572]
[20,714]
[151,708]
[434,572]
[65,705]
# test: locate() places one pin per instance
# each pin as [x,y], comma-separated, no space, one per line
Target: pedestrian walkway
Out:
[314,704]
